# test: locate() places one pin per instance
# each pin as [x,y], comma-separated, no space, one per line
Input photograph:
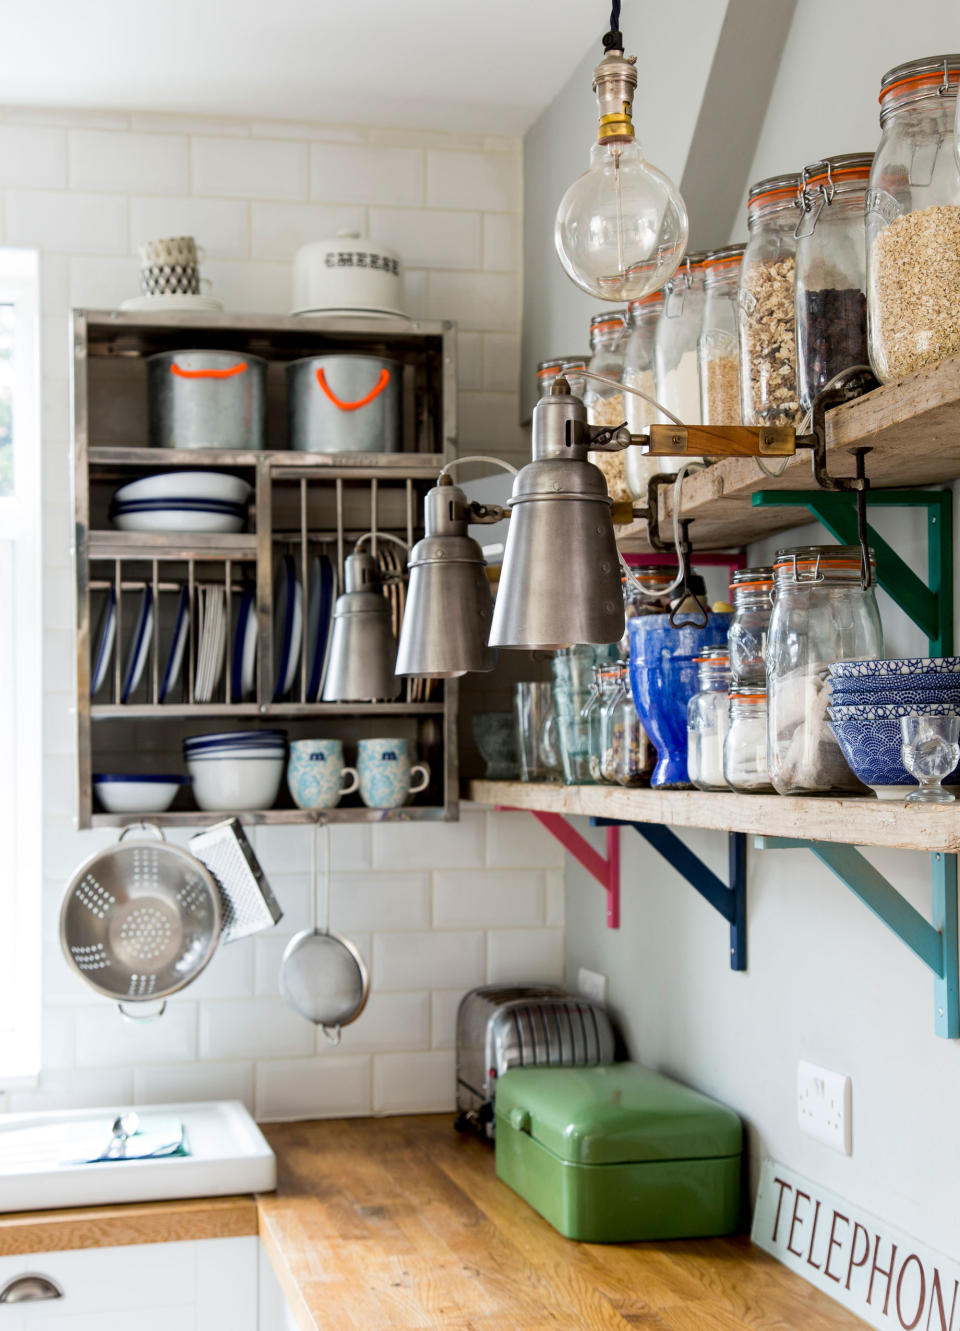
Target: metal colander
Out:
[141,919]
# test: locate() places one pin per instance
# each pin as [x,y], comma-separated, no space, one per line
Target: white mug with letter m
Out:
[386,772]
[316,774]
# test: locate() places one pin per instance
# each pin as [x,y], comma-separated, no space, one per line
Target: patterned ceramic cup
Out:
[170,267]
[316,775]
[386,772]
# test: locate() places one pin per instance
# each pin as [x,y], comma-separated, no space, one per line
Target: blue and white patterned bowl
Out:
[872,750]
[896,688]
[903,665]
[890,710]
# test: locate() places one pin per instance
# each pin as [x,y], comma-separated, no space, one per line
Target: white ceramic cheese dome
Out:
[347,275]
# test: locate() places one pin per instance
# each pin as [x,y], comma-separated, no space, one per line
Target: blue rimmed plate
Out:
[287,626]
[139,648]
[319,616]
[243,662]
[105,637]
[178,643]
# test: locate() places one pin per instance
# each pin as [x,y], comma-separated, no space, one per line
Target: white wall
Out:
[825,981]
[435,909]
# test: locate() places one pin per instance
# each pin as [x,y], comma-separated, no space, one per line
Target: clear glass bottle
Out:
[707,720]
[831,275]
[627,756]
[913,221]
[821,614]
[717,350]
[767,320]
[745,747]
[572,669]
[604,402]
[752,592]
[605,681]
[638,372]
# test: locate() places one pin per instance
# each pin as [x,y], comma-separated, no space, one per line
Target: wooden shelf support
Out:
[935,942]
[729,900]
[930,604]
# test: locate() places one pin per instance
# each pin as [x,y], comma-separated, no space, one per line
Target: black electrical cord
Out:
[613,40]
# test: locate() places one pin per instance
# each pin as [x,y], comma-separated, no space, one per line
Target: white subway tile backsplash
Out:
[389,1021]
[287,849]
[106,1039]
[366,175]
[429,239]
[444,1005]
[464,898]
[313,1088]
[431,959]
[513,843]
[75,1088]
[163,122]
[556,899]
[470,361]
[61,220]
[170,1083]
[229,973]
[473,180]
[279,229]
[501,363]
[102,284]
[59,661]
[59,786]
[292,892]
[408,1083]
[488,417]
[414,293]
[291,129]
[501,242]
[351,847]
[220,226]
[32,156]
[384,900]
[145,163]
[252,1028]
[250,288]
[481,302]
[249,168]
[524,954]
[430,845]
[268,952]
[59,1040]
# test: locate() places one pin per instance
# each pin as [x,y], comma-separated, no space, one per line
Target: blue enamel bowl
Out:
[872,750]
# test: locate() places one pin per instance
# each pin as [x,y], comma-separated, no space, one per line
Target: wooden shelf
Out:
[912,427]
[855,821]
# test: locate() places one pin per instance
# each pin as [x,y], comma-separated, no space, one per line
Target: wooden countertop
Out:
[399,1223]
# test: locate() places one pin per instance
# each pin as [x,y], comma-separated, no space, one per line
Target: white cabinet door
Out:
[196,1286]
[275,1314]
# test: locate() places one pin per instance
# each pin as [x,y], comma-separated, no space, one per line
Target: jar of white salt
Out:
[676,369]
[643,315]
[821,613]
[707,720]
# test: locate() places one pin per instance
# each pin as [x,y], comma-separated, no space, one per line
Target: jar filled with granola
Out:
[768,345]
[913,221]
[604,402]
[831,278]
[745,746]
[717,350]
[707,719]
[627,758]
[638,372]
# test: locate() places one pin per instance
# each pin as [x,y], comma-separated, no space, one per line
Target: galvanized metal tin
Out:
[344,404]
[207,399]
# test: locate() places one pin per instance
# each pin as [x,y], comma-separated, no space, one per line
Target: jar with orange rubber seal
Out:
[604,401]
[752,592]
[745,744]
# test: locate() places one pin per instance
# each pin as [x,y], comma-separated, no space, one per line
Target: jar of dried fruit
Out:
[627,754]
[604,402]
[768,346]
[831,278]
[717,349]
[913,220]
[643,316]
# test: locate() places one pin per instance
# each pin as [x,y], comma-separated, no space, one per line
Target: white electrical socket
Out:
[824,1106]
[593,985]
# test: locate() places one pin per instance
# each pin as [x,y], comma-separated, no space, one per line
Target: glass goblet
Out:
[930,752]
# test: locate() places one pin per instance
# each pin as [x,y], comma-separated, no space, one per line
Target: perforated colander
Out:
[141,919]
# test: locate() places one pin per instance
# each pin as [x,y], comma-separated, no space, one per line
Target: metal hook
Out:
[693,620]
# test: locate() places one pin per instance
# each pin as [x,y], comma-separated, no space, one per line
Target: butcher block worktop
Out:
[398,1222]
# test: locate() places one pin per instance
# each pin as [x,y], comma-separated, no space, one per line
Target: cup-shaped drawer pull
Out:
[30,1288]
[375,391]
[228,373]
[520,1119]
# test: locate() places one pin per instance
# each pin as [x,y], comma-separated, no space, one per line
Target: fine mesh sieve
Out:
[141,919]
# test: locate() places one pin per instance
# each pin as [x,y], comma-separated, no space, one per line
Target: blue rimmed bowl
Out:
[896,689]
[902,665]
[871,746]
[890,710]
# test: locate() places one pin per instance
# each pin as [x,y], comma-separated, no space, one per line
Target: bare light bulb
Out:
[621,227]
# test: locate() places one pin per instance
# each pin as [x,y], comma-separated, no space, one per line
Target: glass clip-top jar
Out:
[707,720]
[638,372]
[821,614]
[767,323]
[752,592]
[745,746]
[604,402]
[627,756]
[717,350]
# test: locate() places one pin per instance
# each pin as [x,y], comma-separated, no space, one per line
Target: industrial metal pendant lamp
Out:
[362,650]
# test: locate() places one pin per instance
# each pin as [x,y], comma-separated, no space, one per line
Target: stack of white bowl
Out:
[182,501]
[236,770]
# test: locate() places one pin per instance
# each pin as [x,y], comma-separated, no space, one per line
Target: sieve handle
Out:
[142,1016]
[142,827]
[332,1033]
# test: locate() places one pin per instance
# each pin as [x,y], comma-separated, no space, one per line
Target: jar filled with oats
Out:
[604,402]
[831,302]
[717,350]
[768,346]
[643,316]
[913,221]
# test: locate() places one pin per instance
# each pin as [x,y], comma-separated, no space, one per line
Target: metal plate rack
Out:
[303,505]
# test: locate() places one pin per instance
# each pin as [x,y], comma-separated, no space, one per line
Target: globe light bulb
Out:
[621,227]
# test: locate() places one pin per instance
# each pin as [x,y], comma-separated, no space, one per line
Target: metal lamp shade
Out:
[560,582]
[449,605]
[362,650]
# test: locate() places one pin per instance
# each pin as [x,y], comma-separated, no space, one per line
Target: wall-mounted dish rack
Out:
[303,505]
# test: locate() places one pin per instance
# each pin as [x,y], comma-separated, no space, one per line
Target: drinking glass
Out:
[533,712]
[930,752]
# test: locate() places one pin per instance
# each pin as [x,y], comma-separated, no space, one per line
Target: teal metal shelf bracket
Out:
[930,604]
[934,942]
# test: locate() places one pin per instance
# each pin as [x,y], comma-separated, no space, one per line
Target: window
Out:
[21,670]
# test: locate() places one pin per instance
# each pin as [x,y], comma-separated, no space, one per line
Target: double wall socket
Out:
[592,985]
[824,1106]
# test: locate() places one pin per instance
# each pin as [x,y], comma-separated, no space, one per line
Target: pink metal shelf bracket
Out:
[606,871]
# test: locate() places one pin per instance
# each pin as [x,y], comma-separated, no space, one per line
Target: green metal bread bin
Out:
[619,1153]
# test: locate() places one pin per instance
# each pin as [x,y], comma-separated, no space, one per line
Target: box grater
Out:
[249,905]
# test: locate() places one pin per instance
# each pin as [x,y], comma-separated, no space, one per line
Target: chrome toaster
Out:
[507,1026]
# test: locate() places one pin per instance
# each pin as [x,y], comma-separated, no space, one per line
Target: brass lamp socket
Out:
[614,82]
